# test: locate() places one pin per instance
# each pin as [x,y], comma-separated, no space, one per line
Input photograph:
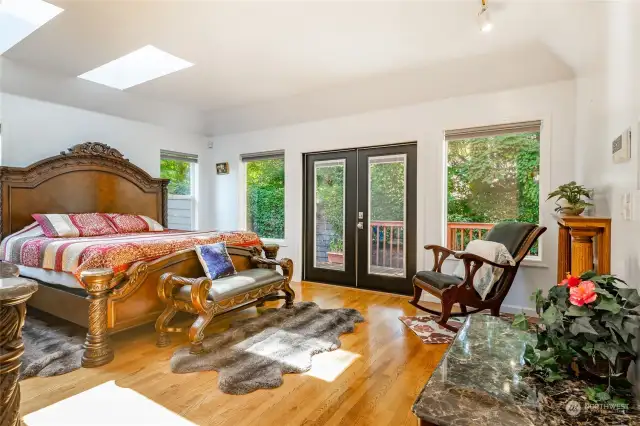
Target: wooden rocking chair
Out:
[518,238]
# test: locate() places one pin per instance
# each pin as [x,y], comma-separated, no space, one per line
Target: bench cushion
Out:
[242,282]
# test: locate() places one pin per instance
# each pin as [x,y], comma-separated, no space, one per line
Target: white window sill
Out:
[529,263]
[281,243]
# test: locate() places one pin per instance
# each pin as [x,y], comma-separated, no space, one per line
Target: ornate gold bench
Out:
[256,281]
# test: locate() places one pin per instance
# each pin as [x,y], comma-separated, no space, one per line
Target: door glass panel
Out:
[387,215]
[329,190]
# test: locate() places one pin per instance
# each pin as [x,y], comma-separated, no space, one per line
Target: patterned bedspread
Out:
[30,247]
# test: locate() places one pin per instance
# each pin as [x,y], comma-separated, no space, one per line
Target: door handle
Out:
[360,225]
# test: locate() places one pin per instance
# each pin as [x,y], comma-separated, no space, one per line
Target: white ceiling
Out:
[255,56]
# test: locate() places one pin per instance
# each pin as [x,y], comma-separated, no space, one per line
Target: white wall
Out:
[553,103]
[608,102]
[606,106]
[33,130]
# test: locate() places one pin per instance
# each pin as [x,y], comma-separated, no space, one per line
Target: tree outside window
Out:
[265,197]
[179,174]
[494,179]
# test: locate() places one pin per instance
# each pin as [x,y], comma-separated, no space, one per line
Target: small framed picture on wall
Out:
[222,168]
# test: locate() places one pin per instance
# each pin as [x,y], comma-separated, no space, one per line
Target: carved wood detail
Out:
[94,148]
[97,350]
[12,316]
[77,181]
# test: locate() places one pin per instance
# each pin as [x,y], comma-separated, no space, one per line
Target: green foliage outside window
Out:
[330,197]
[387,191]
[494,179]
[265,197]
[179,174]
[387,196]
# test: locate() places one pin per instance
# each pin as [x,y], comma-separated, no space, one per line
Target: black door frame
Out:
[348,276]
[378,281]
[353,251]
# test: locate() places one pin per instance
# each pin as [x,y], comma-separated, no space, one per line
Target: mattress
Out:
[29,247]
[64,279]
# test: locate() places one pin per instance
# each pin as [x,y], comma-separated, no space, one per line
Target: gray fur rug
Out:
[50,350]
[254,353]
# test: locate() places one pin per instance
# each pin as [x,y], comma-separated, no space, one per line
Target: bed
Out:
[94,281]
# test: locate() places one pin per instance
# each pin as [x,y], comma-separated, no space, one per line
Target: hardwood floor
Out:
[388,367]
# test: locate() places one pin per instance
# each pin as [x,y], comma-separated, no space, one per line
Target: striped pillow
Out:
[127,223]
[74,225]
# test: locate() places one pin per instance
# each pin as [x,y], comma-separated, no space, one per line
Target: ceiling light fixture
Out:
[19,18]
[484,20]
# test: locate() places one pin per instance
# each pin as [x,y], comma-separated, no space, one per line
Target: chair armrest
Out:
[439,255]
[200,293]
[285,263]
[435,247]
[470,257]
[170,282]
[259,260]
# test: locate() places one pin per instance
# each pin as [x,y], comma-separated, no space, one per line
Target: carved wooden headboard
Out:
[90,177]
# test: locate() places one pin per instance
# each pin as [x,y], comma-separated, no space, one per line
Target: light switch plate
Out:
[631,206]
[626,206]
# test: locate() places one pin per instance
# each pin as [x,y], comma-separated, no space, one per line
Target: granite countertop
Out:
[15,287]
[479,382]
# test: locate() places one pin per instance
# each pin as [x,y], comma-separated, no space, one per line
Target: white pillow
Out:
[487,275]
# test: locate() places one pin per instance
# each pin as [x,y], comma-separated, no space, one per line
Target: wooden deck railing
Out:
[387,245]
[460,233]
[388,240]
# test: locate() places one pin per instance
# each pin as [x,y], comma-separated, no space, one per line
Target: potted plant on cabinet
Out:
[336,251]
[588,324]
[570,198]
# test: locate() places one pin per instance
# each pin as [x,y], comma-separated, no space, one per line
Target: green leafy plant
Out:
[494,179]
[585,323]
[573,194]
[179,175]
[336,245]
[265,197]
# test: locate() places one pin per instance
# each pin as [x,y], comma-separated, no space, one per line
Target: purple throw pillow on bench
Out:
[215,260]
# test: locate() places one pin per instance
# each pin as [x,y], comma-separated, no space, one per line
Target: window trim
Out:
[242,193]
[194,182]
[541,125]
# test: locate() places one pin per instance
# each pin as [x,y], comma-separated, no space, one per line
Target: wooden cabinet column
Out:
[576,239]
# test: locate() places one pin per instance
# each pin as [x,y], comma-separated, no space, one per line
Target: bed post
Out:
[97,351]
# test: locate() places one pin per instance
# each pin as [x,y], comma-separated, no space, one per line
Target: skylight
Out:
[137,67]
[19,18]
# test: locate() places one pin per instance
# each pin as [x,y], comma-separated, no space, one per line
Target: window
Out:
[264,177]
[492,176]
[180,169]
[140,66]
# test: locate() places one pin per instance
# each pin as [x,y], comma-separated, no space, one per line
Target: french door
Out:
[360,217]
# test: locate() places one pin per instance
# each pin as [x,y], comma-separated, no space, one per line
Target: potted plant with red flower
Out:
[587,324]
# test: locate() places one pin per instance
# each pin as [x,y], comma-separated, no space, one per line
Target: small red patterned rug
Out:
[428,330]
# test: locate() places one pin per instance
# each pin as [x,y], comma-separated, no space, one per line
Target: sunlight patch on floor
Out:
[106,404]
[328,366]
[290,349]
